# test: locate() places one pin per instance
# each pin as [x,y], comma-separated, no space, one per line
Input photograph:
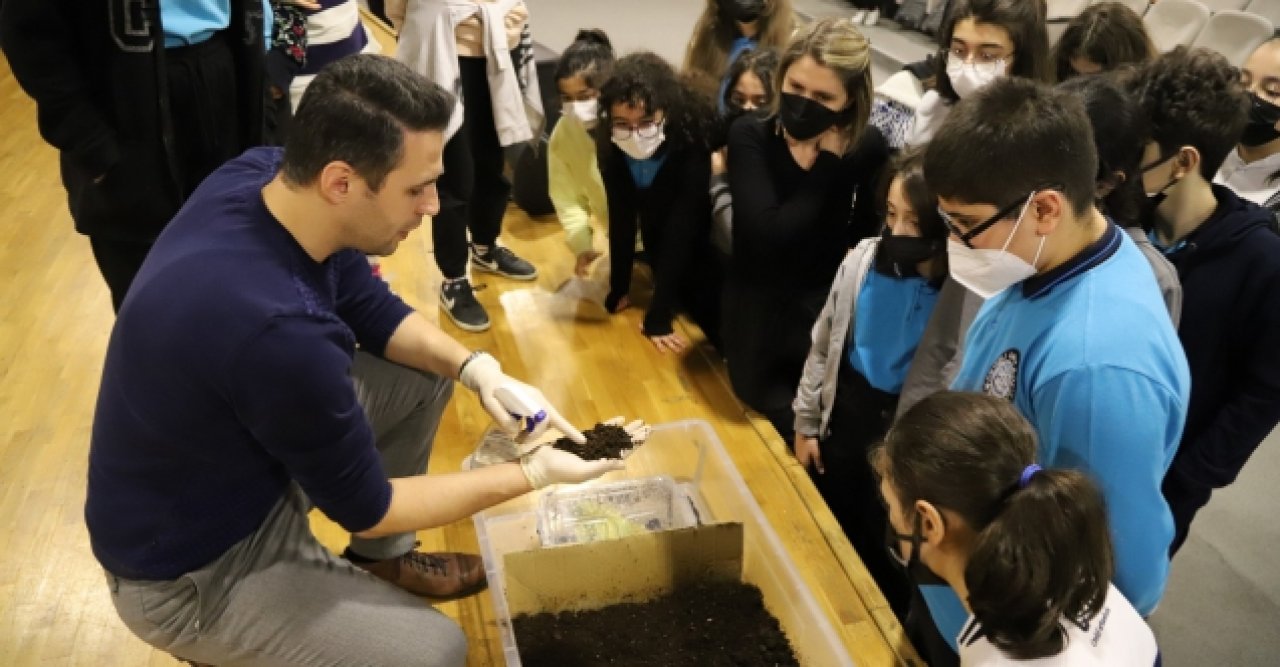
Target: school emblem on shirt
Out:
[1002,379]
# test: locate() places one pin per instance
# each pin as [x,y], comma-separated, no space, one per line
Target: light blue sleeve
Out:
[268,25]
[1121,427]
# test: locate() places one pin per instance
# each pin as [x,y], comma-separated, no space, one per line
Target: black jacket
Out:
[1230,272]
[96,70]
[674,218]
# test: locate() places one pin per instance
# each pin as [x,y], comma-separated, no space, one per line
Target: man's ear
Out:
[335,182]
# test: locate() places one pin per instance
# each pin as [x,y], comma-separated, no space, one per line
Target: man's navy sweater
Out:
[226,378]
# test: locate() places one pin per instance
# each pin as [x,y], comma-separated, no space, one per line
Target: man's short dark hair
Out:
[357,110]
[1193,97]
[1014,136]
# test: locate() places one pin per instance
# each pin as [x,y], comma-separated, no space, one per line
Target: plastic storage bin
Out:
[692,457]
[587,513]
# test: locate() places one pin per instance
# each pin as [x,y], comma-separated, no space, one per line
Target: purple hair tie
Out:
[1027,473]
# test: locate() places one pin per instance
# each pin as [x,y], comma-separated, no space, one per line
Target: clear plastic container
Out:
[596,512]
[708,484]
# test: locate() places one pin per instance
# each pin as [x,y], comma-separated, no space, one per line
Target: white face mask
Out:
[641,148]
[583,110]
[967,79]
[990,272]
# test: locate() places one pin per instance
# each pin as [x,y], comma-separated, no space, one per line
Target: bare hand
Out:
[583,263]
[311,5]
[671,342]
[718,160]
[808,451]
[834,140]
[623,304]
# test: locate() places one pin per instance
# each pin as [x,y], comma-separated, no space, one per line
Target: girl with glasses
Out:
[1027,549]
[655,159]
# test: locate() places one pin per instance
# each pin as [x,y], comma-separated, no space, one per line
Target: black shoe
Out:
[502,261]
[459,302]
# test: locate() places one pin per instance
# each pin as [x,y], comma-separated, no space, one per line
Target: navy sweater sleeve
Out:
[291,388]
[366,303]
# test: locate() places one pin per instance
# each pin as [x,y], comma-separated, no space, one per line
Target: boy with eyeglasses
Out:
[1074,331]
[1228,259]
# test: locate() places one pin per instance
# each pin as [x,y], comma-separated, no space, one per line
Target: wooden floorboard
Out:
[55,318]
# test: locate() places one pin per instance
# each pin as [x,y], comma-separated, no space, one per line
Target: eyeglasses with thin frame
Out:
[981,63]
[966,237]
[646,130]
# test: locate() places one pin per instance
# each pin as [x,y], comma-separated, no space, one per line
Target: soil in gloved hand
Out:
[604,441]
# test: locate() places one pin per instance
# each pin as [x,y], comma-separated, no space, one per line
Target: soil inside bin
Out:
[604,441]
[714,624]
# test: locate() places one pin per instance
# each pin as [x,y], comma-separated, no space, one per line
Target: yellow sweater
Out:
[574,183]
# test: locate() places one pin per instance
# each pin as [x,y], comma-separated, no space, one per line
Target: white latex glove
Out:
[484,376]
[547,465]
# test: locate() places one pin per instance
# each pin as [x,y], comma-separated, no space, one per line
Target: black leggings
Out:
[473,189]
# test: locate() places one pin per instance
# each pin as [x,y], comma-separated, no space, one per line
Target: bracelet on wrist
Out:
[470,358]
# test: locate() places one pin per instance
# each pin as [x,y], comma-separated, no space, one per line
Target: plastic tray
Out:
[690,454]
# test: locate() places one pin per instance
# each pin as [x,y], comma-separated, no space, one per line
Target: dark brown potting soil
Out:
[604,441]
[712,624]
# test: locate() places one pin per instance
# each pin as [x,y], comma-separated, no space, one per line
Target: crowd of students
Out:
[1015,308]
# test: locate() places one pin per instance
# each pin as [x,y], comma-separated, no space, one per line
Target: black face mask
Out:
[805,119]
[898,256]
[918,572]
[742,11]
[1263,117]
[1150,202]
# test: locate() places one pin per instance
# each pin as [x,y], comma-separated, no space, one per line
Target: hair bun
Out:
[593,36]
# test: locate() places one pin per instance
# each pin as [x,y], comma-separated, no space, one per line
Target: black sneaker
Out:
[460,304]
[502,261]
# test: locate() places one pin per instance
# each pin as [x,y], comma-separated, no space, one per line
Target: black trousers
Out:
[860,416]
[202,99]
[473,189]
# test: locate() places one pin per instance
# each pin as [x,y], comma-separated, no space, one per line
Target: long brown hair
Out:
[707,57]
[1109,34]
[1024,20]
[1040,550]
[837,44]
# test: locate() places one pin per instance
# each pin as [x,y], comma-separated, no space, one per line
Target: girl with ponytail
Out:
[1027,549]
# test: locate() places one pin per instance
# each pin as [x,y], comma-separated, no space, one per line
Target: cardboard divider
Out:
[636,568]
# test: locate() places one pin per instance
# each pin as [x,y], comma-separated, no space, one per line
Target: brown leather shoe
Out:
[438,576]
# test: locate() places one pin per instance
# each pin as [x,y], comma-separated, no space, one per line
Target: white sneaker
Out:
[859,16]
[873,17]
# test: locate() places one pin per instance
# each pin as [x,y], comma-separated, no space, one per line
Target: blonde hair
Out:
[835,44]
[707,59]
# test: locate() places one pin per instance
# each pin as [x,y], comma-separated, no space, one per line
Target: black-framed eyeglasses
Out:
[983,226]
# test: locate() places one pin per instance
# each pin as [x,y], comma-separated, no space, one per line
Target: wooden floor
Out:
[54,322]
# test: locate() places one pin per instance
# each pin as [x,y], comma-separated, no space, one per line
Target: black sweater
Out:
[96,70]
[792,227]
[1230,271]
[674,215]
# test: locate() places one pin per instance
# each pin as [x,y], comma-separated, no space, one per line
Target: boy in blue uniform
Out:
[1228,259]
[1074,331]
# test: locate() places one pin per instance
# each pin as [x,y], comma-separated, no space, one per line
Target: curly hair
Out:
[646,80]
[1193,97]
[1109,34]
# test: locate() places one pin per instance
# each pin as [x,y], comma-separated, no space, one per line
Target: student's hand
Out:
[311,5]
[484,376]
[718,161]
[808,451]
[583,263]
[547,465]
[671,342]
[834,141]
[624,302]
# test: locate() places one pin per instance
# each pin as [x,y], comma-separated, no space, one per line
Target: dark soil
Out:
[711,624]
[604,441]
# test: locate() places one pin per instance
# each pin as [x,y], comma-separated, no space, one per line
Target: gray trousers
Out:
[279,598]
